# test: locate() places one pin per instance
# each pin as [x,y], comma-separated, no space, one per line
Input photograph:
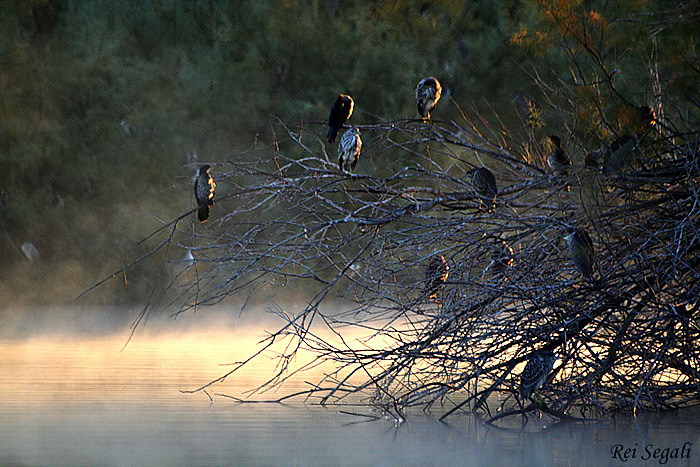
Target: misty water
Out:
[69,395]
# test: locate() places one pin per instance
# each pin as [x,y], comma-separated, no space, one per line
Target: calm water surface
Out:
[67,399]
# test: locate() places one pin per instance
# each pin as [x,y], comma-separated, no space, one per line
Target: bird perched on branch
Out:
[341,110]
[428,93]
[204,192]
[349,150]
[536,372]
[647,118]
[581,249]
[593,159]
[435,276]
[484,183]
[557,158]
[502,257]
[628,149]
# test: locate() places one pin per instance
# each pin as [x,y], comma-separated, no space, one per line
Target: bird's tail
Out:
[203,213]
[332,133]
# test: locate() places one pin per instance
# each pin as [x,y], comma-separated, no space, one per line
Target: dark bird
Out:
[435,276]
[557,158]
[484,183]
[593,159]
[581,249]
[204,192]
[339,114]
[646,116]
[502,257]
[349,150]
[536,372]
[621,153]
[628,149]
[428,93]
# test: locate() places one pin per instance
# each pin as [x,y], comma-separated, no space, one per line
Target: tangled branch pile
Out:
[627,339]
[625,332]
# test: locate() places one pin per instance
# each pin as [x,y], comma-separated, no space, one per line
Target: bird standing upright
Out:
[349,150]
[557,158]
[593,159]
[581,249]
[628,148]
[428,93]
[204,192]
[646,117]
[436,275]
[484,183]
[536,372]
[341,110]
[502,257]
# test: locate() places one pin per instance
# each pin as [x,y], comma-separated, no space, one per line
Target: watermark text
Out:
[661,454]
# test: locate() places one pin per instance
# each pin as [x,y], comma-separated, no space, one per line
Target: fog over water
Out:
[70,395]
[108,110]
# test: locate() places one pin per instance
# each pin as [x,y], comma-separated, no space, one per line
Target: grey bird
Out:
[436,275]
[349,150]
[484,183]
[341,110]
[428,93]
[536,371]
[581,249]
[557,158]
[204,192]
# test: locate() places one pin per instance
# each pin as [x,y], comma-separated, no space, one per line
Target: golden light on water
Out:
[152,366]
[49,369]
[161,365]
[75,400]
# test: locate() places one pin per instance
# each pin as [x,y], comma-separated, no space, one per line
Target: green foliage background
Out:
[213,77]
